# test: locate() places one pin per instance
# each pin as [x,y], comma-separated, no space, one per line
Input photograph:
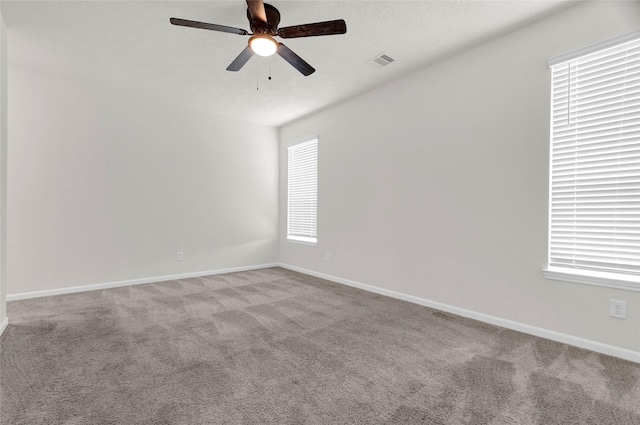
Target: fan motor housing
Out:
[273,20]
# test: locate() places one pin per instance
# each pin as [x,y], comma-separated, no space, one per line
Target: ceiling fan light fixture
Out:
[264,21]
[263,45]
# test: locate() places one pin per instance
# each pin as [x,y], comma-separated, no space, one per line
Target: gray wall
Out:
[107,187]
[3,171]
[436,185]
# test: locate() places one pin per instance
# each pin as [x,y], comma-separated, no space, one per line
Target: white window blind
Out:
[595,162]
[303,192]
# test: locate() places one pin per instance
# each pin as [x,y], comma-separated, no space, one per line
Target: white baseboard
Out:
[98,286]
[4,325]
[598,347]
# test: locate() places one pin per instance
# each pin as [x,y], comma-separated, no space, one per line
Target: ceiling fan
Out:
[263,21]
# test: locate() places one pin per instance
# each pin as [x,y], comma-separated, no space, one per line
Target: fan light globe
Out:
[263,45]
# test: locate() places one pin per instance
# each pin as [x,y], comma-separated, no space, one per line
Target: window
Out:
[594,234]
[303,192]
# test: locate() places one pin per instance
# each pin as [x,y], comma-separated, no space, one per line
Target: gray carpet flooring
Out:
[276,347]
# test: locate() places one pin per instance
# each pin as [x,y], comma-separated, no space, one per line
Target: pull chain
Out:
[258,74]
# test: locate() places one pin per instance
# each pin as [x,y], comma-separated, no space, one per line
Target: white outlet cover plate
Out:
[618,309]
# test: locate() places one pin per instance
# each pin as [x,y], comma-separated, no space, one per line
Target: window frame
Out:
[586,276]
[298,239]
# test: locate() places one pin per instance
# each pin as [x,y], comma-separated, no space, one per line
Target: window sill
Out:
[610,280]
[302,240]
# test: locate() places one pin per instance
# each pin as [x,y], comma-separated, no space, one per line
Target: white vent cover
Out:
[380,60]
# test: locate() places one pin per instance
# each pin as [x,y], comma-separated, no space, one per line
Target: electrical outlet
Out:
[327,256]
[618,309]
[180,256]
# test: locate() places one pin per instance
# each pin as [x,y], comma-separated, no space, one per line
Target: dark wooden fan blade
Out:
[296,61]
[310,30]
[256,11]
[205,26]
[242,58]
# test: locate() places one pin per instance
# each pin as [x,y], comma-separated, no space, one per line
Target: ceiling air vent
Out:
[380,60]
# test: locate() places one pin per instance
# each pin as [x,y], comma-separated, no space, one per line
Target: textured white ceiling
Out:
[130,46]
